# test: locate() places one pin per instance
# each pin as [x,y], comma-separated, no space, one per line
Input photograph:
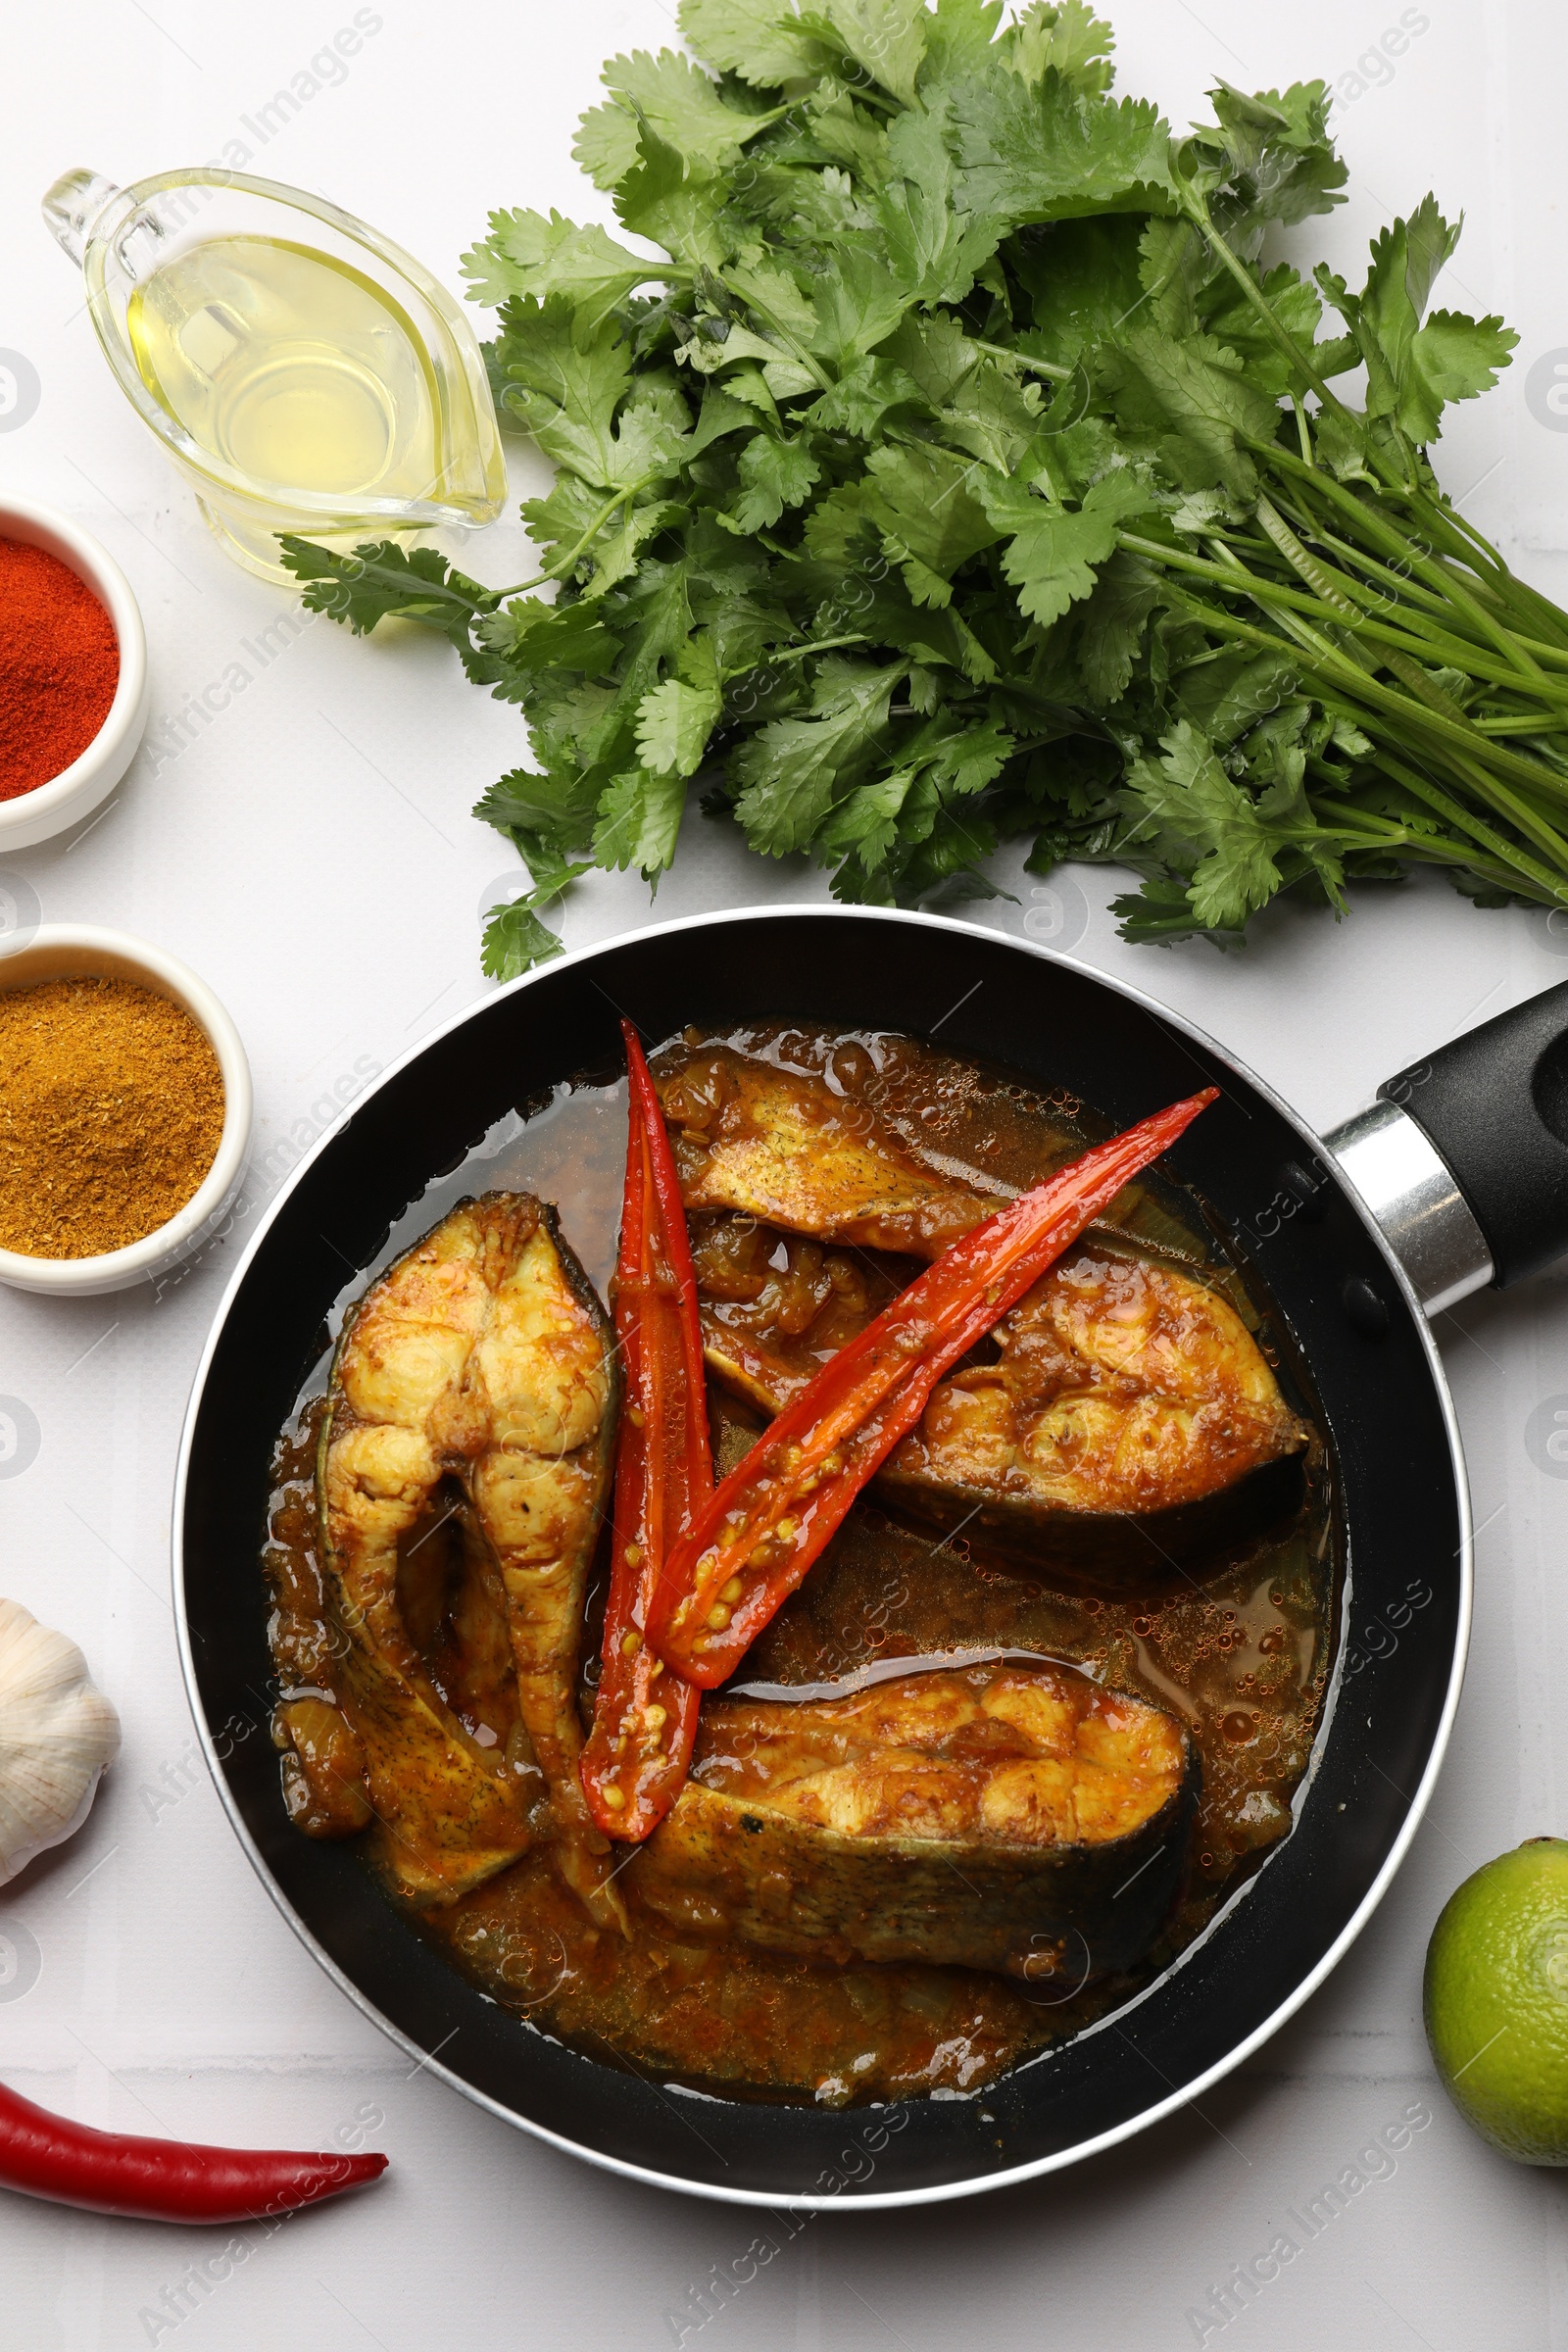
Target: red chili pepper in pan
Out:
[645,1719]
[777,1510]
[162,2180]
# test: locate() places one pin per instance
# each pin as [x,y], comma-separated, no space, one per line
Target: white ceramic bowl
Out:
[68,952]
[79,788]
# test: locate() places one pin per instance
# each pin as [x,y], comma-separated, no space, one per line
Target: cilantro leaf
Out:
[639,821]
[386,582]
[549,870]
[1160,913]
[1278,152]
[773,475]
[934,236]
[887,37]
[679,105]
[1414,369]
[866,821]
[569,377]
[996,415]
[676,203]
[1452,358]
[1196,402]
[931,519]
[1068,37]
[525,254]
[936,463]
[536,636]
[966,763]
[1233,690]
[1209,826]
[1233,323]
[515,940]
[1111,629]
[546,809]
[673,724]
[858,306]
[793,770]
[756,39]
[1053,554]
[1048,152]
[958,33]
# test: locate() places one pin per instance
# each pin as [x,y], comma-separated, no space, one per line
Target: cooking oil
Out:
[293,369]
[304,374]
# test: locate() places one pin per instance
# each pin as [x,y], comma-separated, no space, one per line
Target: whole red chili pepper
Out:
[162,2180]
[645,1719]
[775,1512]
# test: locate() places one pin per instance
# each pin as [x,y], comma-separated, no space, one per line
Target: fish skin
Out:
[949,1828]
[1131,1421]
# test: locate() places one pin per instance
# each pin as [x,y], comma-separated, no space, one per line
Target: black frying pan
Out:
[1339,1286]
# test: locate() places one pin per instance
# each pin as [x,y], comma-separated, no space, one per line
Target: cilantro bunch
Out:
[946,461]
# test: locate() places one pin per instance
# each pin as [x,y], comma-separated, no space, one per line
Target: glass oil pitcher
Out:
[303,372]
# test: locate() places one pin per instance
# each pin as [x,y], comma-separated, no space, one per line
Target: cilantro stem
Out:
[561,567]
[792,349]
[1445,806]
[1197,212]
[1398,587]
[1396,717]
[799,653]
[1488,788]
[1483,573]
[858,94]
[1408,591]
[1455,650]
[1434,849]
[1022,359]
[1400,548]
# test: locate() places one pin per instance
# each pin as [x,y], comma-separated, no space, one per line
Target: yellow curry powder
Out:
[111,1111]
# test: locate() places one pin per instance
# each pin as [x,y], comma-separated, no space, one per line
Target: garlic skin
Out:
[57,1732]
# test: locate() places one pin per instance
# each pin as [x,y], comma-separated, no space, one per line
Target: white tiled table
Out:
[310,853]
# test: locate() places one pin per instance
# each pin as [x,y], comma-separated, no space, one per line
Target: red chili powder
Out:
[58,667]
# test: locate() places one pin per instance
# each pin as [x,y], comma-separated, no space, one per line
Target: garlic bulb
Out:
[57,1732]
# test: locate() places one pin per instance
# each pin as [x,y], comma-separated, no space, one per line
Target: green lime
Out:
[1496,2001]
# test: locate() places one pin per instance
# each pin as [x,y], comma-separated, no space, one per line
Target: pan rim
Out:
[945,2191]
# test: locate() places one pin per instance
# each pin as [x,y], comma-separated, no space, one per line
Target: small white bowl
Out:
[72,952]
[76,791]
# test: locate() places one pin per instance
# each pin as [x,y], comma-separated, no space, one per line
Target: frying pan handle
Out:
[1463,1158]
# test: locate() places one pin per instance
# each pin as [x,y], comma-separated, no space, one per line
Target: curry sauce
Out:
[1227,1656]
